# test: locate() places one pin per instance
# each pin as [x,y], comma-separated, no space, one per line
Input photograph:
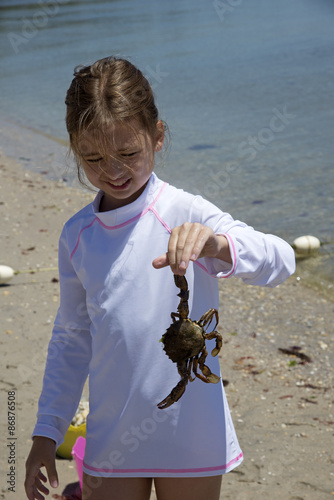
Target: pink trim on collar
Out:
[118,226]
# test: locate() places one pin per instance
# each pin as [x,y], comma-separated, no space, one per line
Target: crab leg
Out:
[211,377]
[199,375]
[208,317]
[219,341]
[178,390]
[183,308]
[175,395]
[191,365]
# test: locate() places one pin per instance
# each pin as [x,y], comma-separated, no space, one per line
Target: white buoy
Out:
[306,244]
[6,274]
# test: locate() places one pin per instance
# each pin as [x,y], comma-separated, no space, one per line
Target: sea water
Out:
[245,86]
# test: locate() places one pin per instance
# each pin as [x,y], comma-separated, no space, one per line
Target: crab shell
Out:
[183,339]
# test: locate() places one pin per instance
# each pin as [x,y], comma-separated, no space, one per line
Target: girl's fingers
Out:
[42,454]
[186,243]
[33,493]
[52,475]
[37,494]
[161,261]
[172,247]
[185,246]
[41,476]
[30,483]
[175,246]
[200,236]
[41,487]
[34,486]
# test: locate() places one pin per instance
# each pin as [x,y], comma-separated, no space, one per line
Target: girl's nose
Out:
[112,165]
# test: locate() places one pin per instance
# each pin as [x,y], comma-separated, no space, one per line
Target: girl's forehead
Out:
[114,138]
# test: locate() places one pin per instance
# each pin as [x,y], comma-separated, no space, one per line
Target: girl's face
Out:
[124,168]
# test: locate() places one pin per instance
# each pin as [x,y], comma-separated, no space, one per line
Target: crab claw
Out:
[175,395]
[219,344]
[219,341]
[214,379]
[215,351]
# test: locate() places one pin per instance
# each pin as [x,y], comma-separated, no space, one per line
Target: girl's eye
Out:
[128,154]
[95,160]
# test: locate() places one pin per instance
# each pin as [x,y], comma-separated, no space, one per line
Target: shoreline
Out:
[36,151]
[282,408]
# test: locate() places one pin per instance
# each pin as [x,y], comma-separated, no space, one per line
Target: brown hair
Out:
[110,91]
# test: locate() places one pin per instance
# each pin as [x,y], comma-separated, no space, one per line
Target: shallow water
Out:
[246,89]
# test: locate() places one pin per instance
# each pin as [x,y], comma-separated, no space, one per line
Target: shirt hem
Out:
[163,472]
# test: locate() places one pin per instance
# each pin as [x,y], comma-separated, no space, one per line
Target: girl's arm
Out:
[66,371]
[69,354]
[228,248]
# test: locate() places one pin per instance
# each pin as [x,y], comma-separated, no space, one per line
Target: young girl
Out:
[117,257]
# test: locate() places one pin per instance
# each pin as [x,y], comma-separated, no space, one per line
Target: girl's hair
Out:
[110,91]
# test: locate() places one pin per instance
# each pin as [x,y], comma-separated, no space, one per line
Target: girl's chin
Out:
[119,196]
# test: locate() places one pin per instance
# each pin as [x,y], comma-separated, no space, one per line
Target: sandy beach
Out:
[277,358]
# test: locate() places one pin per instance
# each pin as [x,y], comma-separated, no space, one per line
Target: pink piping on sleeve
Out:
[234,253]
[160,219]
[177,471]
[118,226]
[78,240]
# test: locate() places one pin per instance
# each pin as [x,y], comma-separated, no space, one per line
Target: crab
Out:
[184,344]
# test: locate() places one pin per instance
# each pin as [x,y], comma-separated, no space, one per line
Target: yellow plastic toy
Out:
[71,436]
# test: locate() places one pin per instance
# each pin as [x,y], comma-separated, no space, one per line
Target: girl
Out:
[115,305]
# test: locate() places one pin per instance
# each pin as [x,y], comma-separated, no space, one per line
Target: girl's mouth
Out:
[119,186]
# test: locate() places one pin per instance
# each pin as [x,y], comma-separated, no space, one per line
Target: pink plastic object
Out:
[78,453]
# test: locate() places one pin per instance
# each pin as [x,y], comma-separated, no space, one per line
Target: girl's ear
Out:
[160,136]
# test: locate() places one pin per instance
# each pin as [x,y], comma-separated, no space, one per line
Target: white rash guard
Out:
[114,309]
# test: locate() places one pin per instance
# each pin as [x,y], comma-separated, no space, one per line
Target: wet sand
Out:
[277,358]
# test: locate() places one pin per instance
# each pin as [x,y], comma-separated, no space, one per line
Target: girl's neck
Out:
[107,203]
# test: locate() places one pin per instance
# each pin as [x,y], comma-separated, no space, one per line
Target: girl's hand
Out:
[189,242]
[42,454]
